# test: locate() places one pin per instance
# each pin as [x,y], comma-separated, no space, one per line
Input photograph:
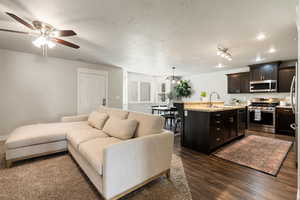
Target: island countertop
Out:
[217,106]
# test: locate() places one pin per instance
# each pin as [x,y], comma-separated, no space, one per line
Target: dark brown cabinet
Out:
[241,121]
[281,72]
[286,72]
[238,83]
[233,83]
[284,118]
[245,79]
[265,71]
[255,74]
[206,131]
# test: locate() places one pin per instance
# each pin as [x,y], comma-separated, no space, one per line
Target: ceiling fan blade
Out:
[20,20]
[64,42]
[64,33]
[12,31]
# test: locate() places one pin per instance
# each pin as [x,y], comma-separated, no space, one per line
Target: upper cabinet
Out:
[265,71]
[286,72]
[238,82]
[281,73]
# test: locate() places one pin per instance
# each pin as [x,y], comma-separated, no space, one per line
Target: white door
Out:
[92,90]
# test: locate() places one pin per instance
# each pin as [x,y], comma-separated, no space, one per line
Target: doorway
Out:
[92,88]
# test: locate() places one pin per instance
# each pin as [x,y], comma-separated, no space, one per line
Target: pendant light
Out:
[173,81]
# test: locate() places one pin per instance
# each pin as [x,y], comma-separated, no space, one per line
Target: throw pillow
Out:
[97,120]
[120,128]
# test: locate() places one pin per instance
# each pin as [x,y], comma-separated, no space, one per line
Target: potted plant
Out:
[203,96]
[182,89]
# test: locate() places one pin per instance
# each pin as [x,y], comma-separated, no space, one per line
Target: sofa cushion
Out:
[92,151]
[120,128]
[97,119]
[76,118]
[41,133]
[113,112]
[35,134]
[77,136]
[76,125]
[147,124]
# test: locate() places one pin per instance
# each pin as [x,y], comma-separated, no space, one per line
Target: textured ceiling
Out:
[151,36]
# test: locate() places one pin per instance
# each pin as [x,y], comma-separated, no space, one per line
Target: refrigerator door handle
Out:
[292,93]
[293,126]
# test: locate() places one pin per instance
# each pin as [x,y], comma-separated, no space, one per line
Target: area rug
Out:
[58,177]
[257,152]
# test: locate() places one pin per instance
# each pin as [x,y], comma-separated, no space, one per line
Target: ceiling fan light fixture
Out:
[48,35]
[51,44]
[43,41]
[40,41]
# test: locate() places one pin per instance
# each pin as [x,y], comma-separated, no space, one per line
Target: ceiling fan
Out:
[47,35]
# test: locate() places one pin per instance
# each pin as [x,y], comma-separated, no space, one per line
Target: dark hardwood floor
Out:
[212,178]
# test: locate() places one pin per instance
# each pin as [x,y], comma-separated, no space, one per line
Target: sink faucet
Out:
[210,95]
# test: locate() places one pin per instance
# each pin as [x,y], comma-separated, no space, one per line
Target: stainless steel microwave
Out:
[263,86]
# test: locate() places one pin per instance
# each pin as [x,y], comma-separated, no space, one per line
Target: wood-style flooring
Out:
[212,178]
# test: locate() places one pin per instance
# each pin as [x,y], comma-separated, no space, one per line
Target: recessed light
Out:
[258,59]
[220,65]
[272,50]
[261,36]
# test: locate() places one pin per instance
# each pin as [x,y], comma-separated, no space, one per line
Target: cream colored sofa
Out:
[115,166]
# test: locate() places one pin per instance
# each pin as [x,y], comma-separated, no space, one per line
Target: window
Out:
[145,91]
[133,91]
[139,92]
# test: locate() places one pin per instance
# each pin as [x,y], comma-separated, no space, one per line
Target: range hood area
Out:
[263,78]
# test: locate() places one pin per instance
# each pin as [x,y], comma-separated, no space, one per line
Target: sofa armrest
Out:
[130,163]
[76,118]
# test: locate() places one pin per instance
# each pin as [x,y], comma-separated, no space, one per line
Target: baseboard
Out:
[3,137]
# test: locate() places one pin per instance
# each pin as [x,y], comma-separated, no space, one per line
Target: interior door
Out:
[92,90]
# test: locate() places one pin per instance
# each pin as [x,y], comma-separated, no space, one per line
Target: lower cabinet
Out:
[242,121]
[206,131]
[284,118]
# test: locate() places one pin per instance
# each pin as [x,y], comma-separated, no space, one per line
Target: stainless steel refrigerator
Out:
[294,103]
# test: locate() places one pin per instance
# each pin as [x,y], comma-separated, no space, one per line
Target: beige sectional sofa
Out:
[118,150]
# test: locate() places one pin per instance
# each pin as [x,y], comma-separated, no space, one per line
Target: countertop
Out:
[289,107]
[215,108]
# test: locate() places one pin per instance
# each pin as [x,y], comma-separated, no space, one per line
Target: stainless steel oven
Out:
[266,123]
[263,86]
[261,115]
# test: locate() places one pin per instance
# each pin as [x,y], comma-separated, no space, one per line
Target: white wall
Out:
[217,81]
[41,89]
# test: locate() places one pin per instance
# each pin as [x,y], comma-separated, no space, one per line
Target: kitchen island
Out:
[208,127]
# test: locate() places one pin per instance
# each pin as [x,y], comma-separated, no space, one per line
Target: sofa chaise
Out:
[119,151]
